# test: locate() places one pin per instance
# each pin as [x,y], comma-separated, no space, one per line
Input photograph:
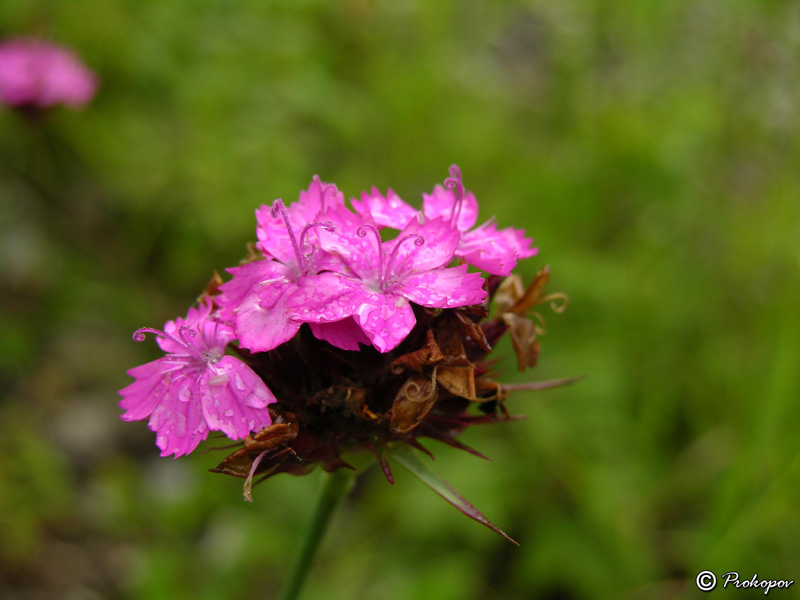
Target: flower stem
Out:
[335,486]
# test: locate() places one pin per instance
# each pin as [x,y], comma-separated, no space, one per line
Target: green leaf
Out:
[411,461]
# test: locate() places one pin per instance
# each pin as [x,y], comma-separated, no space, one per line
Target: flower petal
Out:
[261,327]
[273,236]
[319,197]
[386,319]
[438,248]
[140,398]
[495,251]
[359,253]
[444,288]
[178,419]
[326,298]
[344,334]
[235,399]
[387,211]
[441,202]
[262,278]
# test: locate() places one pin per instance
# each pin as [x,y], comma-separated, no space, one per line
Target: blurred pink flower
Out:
[34,73]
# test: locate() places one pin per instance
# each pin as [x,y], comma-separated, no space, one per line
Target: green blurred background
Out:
[650,148]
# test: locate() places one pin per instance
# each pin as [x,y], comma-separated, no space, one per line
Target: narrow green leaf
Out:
[411,461]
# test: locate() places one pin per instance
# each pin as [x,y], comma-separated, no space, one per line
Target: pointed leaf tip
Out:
[406,457]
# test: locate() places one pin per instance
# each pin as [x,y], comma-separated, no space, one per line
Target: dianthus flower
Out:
[195,388]
[38,74]
[346,338]
[384,278]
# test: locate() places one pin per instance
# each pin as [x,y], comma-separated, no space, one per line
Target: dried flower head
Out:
[345,339]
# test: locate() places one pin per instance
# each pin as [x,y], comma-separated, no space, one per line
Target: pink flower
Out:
[256,299]
[39,74]
[491,250]
[195,388]
[275,237]
[386,277]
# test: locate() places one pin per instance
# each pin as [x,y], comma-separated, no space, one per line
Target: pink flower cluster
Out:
[330,267]
[34,73]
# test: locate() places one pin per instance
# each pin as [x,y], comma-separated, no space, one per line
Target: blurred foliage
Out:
[650,148]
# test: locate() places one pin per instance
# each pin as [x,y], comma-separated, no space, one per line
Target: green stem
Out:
[335,486]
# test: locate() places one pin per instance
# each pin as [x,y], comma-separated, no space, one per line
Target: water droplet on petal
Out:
[185,394]
[218,380]
[239,382]
[161,441]
[180,424]
[253,401]
[229,413]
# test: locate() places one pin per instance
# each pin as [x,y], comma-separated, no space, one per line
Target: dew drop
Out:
[155,418]
[180,424]
[185,394]
[260,390]
[253,401]
[218,380]
[239,382]
[229,413]
[161,441]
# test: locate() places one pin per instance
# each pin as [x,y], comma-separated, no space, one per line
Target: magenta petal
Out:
[262,328]
[141,397]
[444,288]
[441,203]
[495,251]
[273,237]
[326,298]
[344,334]
[318,198]
[235,399]
[359,253]
[386,319]
[387,211]
[211,331]
[493,262]
[178,419]
[515,238]
[262,278]
[439,245]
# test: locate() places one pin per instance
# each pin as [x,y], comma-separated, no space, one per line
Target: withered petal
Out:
[427,356]
[459,381]
[414,400]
